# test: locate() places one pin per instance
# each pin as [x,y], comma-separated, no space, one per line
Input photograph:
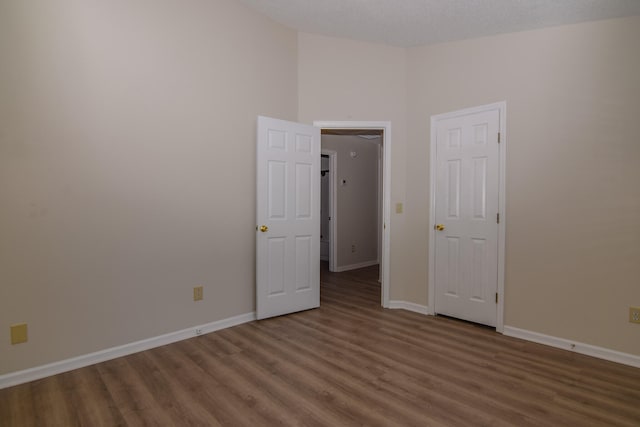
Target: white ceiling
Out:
[420,22]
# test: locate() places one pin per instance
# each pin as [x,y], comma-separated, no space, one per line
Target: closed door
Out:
[466,216]
[288,217]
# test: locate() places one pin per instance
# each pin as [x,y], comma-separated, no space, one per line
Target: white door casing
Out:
[288,217]
[467,244]
[325,215]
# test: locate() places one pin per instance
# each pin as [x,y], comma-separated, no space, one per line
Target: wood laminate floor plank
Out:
[350,362]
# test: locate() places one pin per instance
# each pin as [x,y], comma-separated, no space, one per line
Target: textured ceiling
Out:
[420,22]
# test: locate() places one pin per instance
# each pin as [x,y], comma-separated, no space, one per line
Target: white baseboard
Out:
[578,347]
[409,306]
[20,377]
[355,266]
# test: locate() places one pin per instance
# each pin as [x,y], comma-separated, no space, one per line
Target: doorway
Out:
[328,185]
[381,131]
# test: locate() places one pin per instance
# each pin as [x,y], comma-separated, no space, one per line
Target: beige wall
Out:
[127,158]
[127,167]
[573,173]
[357,201]
[341,79]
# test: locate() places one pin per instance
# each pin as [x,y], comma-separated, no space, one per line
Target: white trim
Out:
[578,347]
[379,201]
[409,306]
[356,266]
[386,190]
[502,207]
[38,372]
[333,207]
[502,147]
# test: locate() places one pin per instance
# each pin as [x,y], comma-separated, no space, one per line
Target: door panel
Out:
[288,217]
[452,278]
[303,263]
[276,266]
[466,205]
[277,187]
[303,190]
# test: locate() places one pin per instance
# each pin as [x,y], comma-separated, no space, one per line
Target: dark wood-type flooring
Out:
[347,363]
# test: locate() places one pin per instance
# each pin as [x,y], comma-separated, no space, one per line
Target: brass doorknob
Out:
[439,227]
[264,228]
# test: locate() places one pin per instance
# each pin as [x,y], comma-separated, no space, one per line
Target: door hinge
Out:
[498,218]
[498,137]
[496,297]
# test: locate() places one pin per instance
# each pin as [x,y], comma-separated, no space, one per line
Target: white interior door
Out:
[466,216]
[288,217]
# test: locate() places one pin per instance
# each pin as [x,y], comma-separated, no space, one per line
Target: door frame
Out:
[333,205]
[386,190]
[501,107]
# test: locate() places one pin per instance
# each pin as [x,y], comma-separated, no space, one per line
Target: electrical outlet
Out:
[353,249]
[634,314]
[198,293]
[18,333]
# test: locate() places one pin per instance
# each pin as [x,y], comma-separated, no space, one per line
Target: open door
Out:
[288,217]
